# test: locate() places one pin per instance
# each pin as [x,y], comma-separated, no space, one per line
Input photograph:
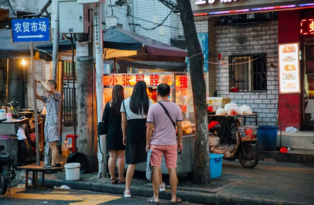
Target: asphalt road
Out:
[72,197]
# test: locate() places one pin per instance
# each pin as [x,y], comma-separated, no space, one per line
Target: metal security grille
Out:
[68,101]
[248,73]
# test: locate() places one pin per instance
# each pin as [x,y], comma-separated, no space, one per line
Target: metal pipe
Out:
[73,92]
[98,43]
[35,104]
[55,48]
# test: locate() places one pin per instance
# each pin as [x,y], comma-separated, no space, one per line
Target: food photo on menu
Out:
[289,59]
[290,67]
[289,85]
[288,49]
[289,76]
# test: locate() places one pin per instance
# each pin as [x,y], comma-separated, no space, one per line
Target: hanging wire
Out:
[153,28]
[111,8]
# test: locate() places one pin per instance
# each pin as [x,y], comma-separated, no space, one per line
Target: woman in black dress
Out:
[134,111]
[114,137]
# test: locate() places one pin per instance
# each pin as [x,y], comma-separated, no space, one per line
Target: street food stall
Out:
[181,93]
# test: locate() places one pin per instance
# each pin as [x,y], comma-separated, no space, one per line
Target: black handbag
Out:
[102,128]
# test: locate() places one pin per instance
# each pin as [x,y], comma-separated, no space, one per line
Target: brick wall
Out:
[40,73]
[260,38]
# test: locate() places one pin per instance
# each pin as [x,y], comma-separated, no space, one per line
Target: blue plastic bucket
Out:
[267,138]
[215,165]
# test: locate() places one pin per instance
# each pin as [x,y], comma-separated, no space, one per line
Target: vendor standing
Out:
[52,123]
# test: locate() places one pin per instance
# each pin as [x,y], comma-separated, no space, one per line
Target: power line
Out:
[173,27]
[153,28]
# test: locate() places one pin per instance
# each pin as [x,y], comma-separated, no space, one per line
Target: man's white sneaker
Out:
[162,187]
[127,194]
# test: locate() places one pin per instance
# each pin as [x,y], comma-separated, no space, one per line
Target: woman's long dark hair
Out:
[139,101]
[117,98]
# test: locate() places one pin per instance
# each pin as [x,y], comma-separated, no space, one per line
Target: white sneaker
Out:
[127,194]
[162,187]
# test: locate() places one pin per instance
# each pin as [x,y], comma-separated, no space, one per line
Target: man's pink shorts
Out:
[170,153]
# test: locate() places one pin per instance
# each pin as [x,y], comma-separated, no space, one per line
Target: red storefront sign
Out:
[307,27]
[131,79]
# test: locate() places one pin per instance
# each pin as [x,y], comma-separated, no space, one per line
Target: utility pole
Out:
[85,79]
[98,43]
[201,156]
[56,37]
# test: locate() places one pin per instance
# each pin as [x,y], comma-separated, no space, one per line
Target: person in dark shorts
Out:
[114,137]
[134,111]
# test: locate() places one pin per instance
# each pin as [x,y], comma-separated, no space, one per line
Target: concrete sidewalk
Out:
[268,183]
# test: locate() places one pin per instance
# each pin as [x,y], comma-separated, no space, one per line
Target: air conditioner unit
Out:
[73,17]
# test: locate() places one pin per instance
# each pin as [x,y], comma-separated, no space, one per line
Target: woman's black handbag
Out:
[102,128]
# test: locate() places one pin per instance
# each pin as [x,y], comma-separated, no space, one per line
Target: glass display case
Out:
[181,91]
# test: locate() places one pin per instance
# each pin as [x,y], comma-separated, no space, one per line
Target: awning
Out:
[166,66]
[13,50]
[115,38]
[120,44]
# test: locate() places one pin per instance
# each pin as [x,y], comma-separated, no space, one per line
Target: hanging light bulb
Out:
[23,62]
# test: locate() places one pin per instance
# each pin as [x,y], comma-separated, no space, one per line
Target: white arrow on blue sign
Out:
[30,30]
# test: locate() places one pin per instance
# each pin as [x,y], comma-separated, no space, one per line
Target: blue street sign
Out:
[30,30]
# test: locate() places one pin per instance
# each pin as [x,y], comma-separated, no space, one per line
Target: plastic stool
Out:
[73,142]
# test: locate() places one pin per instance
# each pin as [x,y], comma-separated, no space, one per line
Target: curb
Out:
[189,196]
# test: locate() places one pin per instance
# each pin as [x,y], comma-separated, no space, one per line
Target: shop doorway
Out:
[68,101]
[308,84]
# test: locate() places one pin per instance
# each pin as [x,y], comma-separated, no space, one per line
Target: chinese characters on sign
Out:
[307,27]
[289,68]
[139,77]
[97,37]
[202,2]
[126,80]
[154,80]
[30,30]
[151,80]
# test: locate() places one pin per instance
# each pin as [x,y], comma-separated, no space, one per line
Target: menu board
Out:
[309,58]
[289,68]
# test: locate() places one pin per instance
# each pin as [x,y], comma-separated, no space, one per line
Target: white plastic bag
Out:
[213,141]
[235,111]
[230,105]
[221,111]
[291,129]
[21,134]
[246,109]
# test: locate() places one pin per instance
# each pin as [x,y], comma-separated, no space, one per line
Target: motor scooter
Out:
[243,149]
[7,172]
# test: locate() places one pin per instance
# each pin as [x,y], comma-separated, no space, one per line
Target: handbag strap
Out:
[125,110]
[99,141]
[166,111]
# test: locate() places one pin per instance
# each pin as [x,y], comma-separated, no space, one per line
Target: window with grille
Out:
[248,73]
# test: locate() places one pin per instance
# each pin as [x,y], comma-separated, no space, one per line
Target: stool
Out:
[73,141]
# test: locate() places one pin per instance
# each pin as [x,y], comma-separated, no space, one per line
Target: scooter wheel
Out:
[250,160]
[3,184]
